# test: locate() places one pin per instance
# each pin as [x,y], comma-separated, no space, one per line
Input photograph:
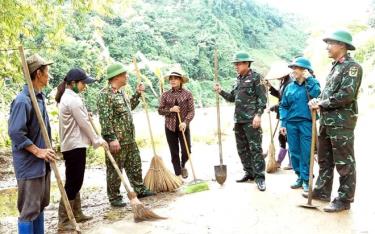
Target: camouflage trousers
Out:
[336,148]
[249,148]
[129,159]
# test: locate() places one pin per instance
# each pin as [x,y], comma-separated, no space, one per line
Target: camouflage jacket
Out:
[339,97]
[249,96]
[115,115]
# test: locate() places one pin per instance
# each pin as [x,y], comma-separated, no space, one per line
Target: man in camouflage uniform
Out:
[338,108]
[249,96]
[118,130]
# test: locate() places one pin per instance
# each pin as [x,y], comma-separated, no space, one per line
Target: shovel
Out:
[309,204]
[220,170]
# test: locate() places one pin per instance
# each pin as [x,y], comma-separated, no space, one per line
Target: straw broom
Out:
[141,213]
[271,162]
[158,178]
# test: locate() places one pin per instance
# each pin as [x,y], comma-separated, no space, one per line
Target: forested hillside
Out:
[161,33]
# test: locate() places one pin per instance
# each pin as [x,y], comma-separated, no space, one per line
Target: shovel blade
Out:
[308,206]
[221,173]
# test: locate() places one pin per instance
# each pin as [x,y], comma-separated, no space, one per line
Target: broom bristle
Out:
[141,213]
[196,186]
[271,163]
[159,178]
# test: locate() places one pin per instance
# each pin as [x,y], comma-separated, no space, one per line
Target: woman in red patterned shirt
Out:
[177,99]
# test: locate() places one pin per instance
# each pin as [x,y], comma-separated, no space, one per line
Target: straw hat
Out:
[278,70]
[184,79]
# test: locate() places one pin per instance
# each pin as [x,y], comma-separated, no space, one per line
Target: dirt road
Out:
[241,208]
[233,208]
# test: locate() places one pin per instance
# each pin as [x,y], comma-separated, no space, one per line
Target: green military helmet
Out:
[301,62]
[242,56]
[115,69]
[341,36]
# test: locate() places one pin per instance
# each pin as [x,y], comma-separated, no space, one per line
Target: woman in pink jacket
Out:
[76,134]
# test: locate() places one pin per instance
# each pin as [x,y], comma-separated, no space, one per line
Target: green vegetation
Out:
[167,32]
[161,34]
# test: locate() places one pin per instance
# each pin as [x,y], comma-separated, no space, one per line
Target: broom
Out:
[158,178]
[141,213]
[196,185]
[271,162]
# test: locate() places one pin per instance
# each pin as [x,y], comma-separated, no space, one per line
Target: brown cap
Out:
[34,62]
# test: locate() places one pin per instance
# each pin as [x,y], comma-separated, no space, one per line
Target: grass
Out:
[8,201]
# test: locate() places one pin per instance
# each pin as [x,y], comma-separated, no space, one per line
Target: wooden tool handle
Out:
[187,147]
[269,116]
[127,186]
[145,106]
[277,125]
[45,135]
[218,110]
[312,152]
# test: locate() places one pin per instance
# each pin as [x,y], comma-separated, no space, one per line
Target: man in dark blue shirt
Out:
[30,156]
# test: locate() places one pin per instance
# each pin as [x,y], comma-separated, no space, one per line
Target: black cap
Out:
[77,74]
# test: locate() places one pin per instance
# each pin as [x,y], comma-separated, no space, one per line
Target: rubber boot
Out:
[38,224]
[77,210]
[64,223]
[25,227]
[281,156]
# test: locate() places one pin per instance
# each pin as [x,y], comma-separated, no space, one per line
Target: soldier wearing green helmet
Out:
[249,96]
[339,111]
[242,56]
[118,130]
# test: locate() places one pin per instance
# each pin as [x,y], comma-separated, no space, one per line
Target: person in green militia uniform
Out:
[339,111]
[249,96]
[118,130]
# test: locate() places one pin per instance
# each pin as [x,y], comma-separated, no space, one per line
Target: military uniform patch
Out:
[353,71]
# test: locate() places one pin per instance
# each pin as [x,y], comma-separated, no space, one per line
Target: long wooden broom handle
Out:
[277,125]
[47,141]
[114,164]
[218,110]
[187,147]
[269,117]
[145,106]
[312,152]
[161,83]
